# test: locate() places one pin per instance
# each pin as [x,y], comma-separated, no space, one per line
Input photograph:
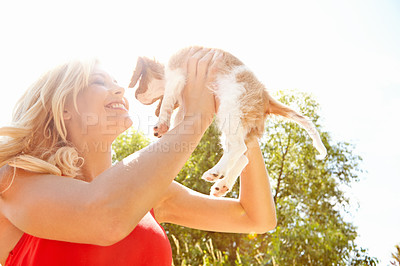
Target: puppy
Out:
[244,105]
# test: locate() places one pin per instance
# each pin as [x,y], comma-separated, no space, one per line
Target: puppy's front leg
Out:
[174,83]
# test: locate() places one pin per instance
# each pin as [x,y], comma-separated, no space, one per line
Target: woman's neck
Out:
[97,158]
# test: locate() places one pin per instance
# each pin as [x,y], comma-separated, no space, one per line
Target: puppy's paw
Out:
[160,129]
[212,175]
[219,189]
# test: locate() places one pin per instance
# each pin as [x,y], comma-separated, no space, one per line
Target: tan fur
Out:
[146,69]
[254,104]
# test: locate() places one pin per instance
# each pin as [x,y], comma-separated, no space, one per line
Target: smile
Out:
[117,106]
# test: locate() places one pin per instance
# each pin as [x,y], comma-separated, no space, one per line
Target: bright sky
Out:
[344,52]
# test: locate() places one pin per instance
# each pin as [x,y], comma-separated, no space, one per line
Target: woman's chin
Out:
[126,125]
[112,128]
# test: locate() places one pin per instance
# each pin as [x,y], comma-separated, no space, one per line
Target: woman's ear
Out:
[67,115]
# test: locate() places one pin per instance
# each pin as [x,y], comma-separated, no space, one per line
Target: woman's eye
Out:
[99,82]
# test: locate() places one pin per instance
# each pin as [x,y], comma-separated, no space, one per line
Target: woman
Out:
[63,203]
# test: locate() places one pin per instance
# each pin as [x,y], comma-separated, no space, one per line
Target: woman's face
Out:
[102,106]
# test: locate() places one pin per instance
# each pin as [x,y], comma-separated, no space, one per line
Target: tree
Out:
[396,256]
[308,194]
[127,143]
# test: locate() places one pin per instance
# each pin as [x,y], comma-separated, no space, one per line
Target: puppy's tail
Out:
[276,108]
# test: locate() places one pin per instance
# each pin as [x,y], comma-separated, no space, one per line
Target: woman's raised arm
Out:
[254,211]
[107,209]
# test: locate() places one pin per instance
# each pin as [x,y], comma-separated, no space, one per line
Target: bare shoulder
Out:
[20,188]
[9,234]
[6,176]
[10,178]
[9,237]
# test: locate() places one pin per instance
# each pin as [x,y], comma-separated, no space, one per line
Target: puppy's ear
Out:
[137,73]
[152,83]
[154,69]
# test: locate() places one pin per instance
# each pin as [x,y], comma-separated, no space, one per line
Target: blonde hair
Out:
[36,140]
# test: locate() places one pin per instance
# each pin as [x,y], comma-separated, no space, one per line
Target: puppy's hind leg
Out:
[223,186]
[234,148]
[175,81]
[229,121]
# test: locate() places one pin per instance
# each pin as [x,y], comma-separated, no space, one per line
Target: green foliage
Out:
[396,256]
[308,194]
[128,143]
[203,157]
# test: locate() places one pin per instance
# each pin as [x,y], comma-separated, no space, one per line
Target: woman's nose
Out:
[118,90]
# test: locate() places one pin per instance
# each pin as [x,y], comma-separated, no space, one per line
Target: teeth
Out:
[117,105]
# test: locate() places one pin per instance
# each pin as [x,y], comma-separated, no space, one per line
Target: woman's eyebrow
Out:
[103,75]
[100,74]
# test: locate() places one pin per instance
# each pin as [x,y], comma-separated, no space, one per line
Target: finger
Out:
[194,50]
[193,60]
[195,55]
[204,63]
[188,55]
[214,66]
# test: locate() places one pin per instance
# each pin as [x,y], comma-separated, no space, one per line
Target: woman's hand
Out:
[254,210]
[198,99]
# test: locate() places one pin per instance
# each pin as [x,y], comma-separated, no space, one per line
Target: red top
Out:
[146,245]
